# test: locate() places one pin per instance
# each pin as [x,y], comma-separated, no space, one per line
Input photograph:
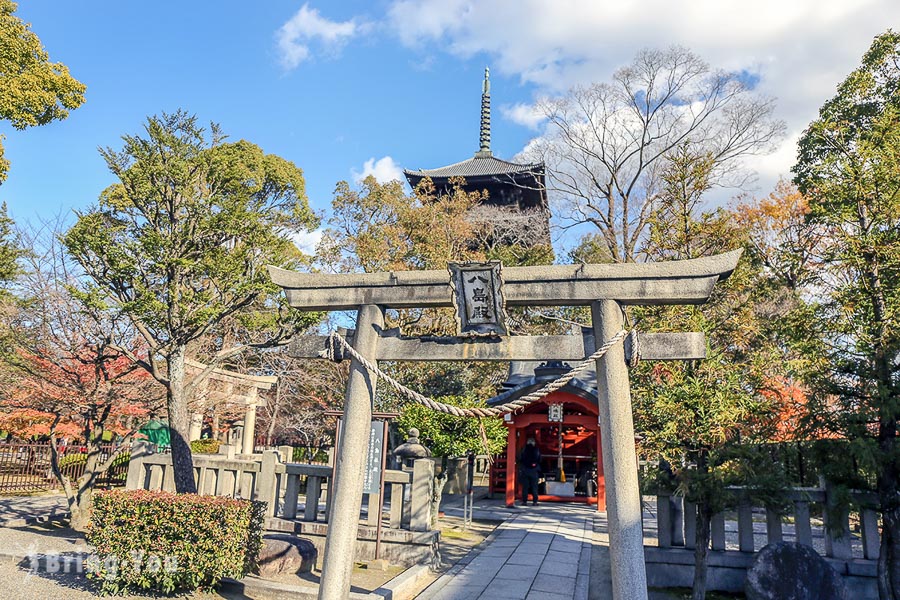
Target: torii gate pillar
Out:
[623,498]
[350,463]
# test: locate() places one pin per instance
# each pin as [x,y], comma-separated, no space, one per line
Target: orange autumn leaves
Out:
[69,391]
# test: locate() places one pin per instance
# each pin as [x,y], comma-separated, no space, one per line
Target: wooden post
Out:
[346,490]
[623,500]
[601,479]
[510,465]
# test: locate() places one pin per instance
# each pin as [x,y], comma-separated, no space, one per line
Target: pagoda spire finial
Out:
[484,137]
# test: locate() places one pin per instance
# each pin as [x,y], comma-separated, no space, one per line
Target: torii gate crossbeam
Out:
[605,288]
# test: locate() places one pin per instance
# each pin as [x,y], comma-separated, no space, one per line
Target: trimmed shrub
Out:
[205,446]
[308,454]
[168,542]
[80,459]
[73,464]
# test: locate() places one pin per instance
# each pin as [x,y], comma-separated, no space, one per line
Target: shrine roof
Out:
[528,376]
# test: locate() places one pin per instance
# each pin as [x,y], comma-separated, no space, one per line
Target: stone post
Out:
[135,478]
[196,426]
[267,483]
[250,424]
[421,496]
[623,500]
[346,491]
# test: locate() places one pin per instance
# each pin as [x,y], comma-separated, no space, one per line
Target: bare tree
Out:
[64,365]
[507,227]
[604,142]
[294,408]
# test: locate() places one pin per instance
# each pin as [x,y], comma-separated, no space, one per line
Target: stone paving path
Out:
[543,552]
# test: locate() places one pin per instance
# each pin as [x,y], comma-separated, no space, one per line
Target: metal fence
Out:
[25,468]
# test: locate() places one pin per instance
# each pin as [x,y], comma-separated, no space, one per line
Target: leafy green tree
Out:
[10,250]
[448,436]
[180,243]
[849,168]
[33,90]
[699,417]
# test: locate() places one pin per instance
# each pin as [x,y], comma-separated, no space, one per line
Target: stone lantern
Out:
[410,450]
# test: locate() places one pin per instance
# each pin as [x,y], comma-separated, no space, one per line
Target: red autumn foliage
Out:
[76,395]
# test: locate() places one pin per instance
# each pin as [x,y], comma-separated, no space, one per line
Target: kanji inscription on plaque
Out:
[478,298]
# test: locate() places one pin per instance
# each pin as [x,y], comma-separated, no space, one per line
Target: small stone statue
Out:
[410,450]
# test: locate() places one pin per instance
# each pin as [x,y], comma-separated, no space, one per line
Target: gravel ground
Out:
[20,580]
[14,508]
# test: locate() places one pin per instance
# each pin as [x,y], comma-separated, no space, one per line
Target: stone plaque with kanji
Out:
[478,298]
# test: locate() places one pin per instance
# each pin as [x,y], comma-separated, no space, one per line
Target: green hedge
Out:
[74,459]
[205,446]
[168,542]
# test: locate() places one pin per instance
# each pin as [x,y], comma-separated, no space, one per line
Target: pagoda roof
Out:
[481,165]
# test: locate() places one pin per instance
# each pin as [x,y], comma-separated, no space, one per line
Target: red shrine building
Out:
[565,428]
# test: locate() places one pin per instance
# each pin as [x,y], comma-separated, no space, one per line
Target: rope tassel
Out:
[336,340]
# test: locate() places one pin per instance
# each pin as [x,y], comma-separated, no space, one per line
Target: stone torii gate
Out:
[605,288]
[227,387]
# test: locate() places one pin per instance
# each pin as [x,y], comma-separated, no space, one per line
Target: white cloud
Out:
[523,114]
[306,27]
[384,169]
[800,49]
[307,240]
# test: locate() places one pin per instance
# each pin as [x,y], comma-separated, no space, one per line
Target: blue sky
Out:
[332,85]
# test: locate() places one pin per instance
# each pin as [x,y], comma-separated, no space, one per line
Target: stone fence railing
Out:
[848,537]
[837,541]
[292,491]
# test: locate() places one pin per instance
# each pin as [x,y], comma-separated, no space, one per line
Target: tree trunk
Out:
[80,508]
[701,539]
[179,424]
[701,551]
[80,501]
[437,493]
[888,567]
[216,434]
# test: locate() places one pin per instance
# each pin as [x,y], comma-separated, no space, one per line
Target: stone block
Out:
[789,571]
[282,553]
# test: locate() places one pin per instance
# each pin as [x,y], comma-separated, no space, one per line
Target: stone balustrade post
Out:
[136,477]
[420,498]
[837,526]
[267,483]
[664,520]
[802,524]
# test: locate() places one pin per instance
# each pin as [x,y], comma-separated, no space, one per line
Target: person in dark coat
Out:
[530,468]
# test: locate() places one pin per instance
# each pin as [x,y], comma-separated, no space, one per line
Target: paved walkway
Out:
[541,552]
